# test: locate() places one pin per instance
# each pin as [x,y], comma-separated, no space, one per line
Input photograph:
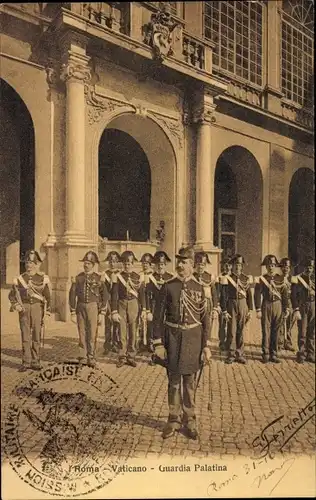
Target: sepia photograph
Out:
[157,250]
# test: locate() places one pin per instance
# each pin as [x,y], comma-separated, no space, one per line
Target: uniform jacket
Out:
[155,283]
[300,294]
[208,282]
[29,289]
[127,286]
[278,291]
[183,303]
[219,285]
[242,290]
[86,288]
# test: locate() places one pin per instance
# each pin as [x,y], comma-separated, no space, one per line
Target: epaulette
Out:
[46,280]
[40,273]
[294,280]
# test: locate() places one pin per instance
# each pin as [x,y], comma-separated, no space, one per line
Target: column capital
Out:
[203,111]
[76,68]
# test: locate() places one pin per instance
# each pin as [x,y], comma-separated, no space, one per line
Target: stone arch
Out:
[162,152]
[238,206]
[301,209]
[17,159]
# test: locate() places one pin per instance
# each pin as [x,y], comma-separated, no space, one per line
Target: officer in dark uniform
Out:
[145,328]
[226,267]
[158,278]
[285,337]
[30,296]
[182,338]
[274,309]
[208,282]
[111,330]
[88,298]
[127,293]
[303,301]
[236,304]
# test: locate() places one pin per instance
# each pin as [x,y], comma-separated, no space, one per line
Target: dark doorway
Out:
[17,216]
[301,216]
[225,208]
[124,188]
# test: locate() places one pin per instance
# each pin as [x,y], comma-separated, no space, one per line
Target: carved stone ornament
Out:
[76,71]
[204,114]
[158,32]
[174,126]
[98,105]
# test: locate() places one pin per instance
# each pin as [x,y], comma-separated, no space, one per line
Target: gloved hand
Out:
[144,315]
[206,355]
[116,317]
[226,316]
[74,317]
[297,316]
[286,314]
[214,314]
[19,308]
[248,317]
[160,352]
[149,316]
[259,314]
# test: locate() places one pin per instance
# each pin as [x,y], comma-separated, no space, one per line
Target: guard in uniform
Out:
[158,278]
[30,296]
[182,340]
[111,330]
[274,308]
[145,327]
[88,299]
[127,293]
[285,338]
[303,301]
[226,266]
[236,304]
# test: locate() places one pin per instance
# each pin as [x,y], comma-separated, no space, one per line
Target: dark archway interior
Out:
[17,158]
[225,192]
[301,216]
[124,188]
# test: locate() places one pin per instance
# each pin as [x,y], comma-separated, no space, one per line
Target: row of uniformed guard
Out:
[127,300]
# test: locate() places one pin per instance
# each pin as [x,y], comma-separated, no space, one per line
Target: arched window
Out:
[297,50]
[236,28]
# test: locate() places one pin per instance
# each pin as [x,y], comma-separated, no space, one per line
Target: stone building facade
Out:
[146,125]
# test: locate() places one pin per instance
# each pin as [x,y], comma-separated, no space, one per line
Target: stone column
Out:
[203,116]
[75,73]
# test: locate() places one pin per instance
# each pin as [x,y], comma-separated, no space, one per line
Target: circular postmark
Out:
[60,430]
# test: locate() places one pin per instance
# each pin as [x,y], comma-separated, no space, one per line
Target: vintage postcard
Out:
[157,250]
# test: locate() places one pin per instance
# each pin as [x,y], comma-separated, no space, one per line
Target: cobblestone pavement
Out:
[243,398]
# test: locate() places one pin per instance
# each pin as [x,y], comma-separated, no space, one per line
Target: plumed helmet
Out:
[308,261]
[161,256]
[270,259]
[127,254]
[31,256]
[147,257]
[237,259]
[90,257]
[185,253]
[201,257]
[112,254]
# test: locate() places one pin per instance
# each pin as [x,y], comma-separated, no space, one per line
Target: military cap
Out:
[161,256]
[226,261]
[185,253]
[237,259]
[113,253]
[32,256]
[128,253]
[147,257]
[269,259]
[200,256]
[308,261]
[285,261]
[90,257]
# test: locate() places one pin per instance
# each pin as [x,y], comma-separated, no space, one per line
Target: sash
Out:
[107,278]
[305,285]
[127,286]
[235,285]
[29,287]
[272,289]
[154,281]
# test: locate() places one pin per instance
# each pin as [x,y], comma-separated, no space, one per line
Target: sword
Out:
[198,380]
[43,326]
